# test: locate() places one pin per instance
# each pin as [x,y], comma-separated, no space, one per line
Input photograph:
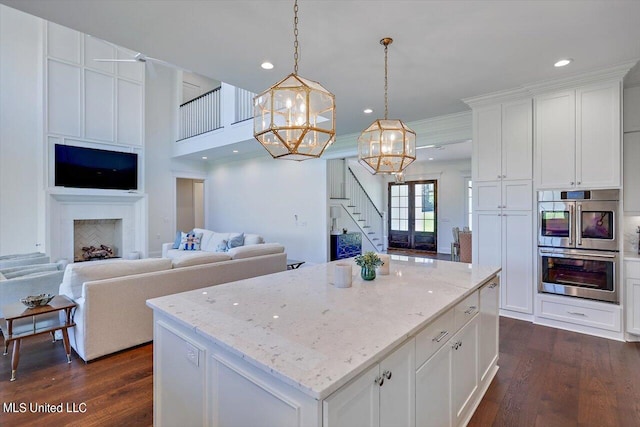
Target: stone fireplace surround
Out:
[66,206]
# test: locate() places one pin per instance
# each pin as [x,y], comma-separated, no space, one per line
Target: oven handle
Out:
[579,225]
[570,224]
[578,256]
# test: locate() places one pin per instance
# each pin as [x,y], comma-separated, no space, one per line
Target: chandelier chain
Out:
[386,105]
[295,33]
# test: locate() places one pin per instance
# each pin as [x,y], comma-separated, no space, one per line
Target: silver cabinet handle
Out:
[578,183]
[471,309]
[499,206]
[498,176]
[493,285]
[576,313]
[504,176]
[387,374]
[571,183]
[579,225]
[571,223]
[379,381]
[457,345]
[441,336]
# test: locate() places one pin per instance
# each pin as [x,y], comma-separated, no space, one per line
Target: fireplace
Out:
[88,218]
[97,239]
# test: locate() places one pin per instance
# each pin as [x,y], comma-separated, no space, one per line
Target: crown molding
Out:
[616,72]
[497,97]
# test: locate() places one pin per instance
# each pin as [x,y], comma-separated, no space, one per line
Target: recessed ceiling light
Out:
[235,151]
[204,157]
[267,65]
[430,158]
[563,62]
[368,111]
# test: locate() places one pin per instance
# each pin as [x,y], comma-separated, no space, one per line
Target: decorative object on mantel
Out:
[295,118]
[368,263]
[90,253]
[387,146]
[344,231]
[33,301]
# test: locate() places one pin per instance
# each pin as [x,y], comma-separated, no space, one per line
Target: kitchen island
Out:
[415,347]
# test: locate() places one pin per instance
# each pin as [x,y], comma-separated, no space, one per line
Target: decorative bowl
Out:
[37,300]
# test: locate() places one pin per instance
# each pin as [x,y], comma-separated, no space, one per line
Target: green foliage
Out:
[369,259]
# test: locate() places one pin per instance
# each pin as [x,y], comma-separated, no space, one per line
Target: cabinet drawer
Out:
[433,337]
[597,315]
[466,309]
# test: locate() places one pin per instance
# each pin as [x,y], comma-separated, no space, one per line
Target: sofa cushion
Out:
[177,240]
[249,251]
[253,239]
[215,241]
[222,246]
[200,258]
[235,241]
[190,241]
[78,273]
[12,273]
[206,236]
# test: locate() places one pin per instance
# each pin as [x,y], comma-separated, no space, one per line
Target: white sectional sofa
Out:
[111,295]
[210,244]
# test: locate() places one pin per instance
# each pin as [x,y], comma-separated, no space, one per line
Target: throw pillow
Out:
[190,241]
[235,241]
[222,246]
[177,240]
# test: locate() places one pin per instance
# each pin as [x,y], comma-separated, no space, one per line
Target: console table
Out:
[345,245]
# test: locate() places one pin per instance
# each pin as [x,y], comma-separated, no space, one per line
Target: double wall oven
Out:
[578,243]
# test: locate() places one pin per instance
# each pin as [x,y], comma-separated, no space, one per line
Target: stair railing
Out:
[366,214]
[200,115]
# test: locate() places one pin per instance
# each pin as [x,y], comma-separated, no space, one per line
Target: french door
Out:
[412,215]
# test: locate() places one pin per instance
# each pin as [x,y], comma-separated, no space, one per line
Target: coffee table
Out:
[43,321]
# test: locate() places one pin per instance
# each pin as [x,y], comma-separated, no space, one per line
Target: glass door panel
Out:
[412,215]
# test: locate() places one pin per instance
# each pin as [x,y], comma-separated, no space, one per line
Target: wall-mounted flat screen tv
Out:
[81,167]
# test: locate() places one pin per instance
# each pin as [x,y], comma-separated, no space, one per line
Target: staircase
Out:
[357,204]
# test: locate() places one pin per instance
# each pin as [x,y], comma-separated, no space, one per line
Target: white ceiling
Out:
[443,51]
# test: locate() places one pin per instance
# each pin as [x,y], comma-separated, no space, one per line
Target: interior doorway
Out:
[413,215]
[189,204]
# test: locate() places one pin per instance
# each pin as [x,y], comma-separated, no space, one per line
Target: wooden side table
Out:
[40,324]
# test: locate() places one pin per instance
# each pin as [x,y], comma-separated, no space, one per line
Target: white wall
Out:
[161,171]
[374,185]
[451,194]
[22,218]
[195,85]
[264,196]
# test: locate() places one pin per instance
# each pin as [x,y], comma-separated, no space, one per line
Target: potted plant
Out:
[368,263]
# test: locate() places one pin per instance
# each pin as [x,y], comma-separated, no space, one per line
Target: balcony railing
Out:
[200,115]
[244,105]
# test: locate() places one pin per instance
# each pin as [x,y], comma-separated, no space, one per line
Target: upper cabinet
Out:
[577,141]
[502,135]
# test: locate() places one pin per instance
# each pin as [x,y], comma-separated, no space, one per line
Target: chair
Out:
[465,246]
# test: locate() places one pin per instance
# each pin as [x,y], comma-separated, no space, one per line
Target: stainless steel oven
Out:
[579,273]
[586,219]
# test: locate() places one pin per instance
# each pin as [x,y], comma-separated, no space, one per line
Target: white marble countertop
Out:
[300,328]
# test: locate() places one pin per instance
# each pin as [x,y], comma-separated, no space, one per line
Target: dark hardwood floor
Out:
[547,378]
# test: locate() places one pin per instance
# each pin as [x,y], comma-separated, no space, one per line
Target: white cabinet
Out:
[447,383]
[383,396]
[578,137]
[632,282]
[505,238]
[631,168]
[632,109]
[488,340]
[503,141]
[506,195]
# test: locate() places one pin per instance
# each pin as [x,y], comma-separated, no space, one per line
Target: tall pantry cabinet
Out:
[502,172]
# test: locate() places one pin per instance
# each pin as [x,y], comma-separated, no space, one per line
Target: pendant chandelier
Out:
[295,118]
[387,146]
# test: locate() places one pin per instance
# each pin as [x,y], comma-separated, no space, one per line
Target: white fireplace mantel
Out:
[67,205]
